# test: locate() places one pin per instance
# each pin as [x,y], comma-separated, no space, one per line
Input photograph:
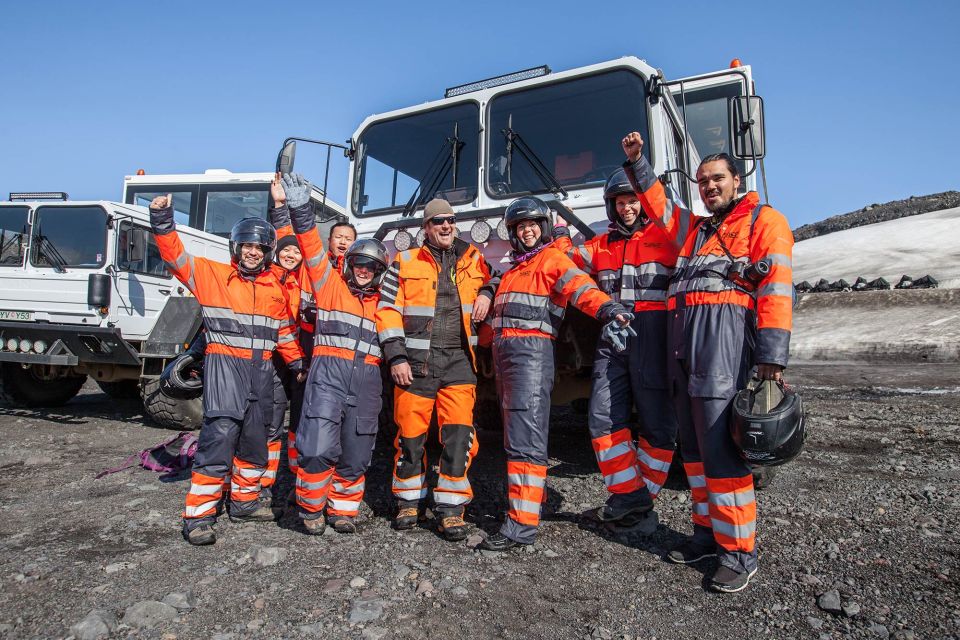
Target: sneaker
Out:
[315,526]
[497,542]
[200,536]
[343,524]
[632,513]
[453,528]
[260,514]
[406,518]
[688,552]
[726,580]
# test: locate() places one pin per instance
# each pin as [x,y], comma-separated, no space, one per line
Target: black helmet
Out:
[367,250]
[768,423]
[183,377]
[617,185]
[253,231]
[528,208]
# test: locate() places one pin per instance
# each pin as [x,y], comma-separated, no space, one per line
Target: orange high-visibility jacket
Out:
[634,271]
[750,233]
[533,295]
[408,299]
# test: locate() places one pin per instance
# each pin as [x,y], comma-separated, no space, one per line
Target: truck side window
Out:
[150,262]
[13,235]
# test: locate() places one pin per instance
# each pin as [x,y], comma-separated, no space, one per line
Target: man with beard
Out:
[729,309]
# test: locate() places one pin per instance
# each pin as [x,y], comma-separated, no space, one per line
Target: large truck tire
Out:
[172,413]
[121,389]
[37,385]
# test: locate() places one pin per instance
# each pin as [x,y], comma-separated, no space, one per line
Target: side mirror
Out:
[98,290]
[137,247]
[747,128]
[287,156]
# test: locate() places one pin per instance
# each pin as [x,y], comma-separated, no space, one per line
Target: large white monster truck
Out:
[83,291]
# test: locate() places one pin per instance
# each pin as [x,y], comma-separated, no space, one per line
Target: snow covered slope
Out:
[917,245]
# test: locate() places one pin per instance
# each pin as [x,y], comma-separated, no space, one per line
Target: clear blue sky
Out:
[862,98]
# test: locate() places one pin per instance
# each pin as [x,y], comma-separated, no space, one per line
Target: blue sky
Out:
[861,97]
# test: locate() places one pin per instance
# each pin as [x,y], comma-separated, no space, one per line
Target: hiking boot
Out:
[497,542]
[628,513]
[726,580]
[689,552]
[200,536]
[453,528]
[260,514]
[343,524]
[315,526]
[406,518]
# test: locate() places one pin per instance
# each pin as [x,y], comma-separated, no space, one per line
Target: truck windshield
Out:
[69,237]
[395,155]
[13,235]
[574,127]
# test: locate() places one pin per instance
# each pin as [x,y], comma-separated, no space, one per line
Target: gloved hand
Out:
[617,331]
[297,190]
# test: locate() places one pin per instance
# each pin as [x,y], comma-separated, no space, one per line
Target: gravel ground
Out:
[858,538]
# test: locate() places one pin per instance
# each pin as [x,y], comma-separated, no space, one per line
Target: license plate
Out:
[23,316]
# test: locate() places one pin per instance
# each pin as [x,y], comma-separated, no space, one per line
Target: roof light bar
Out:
[39,195]
[496,81]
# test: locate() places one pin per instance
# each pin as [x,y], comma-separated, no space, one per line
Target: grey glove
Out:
[297,190]
[617,335]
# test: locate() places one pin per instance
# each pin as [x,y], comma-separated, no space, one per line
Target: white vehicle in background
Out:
[84,292]
[556,135]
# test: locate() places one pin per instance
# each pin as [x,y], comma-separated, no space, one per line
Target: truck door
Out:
[143,283]
[702,101]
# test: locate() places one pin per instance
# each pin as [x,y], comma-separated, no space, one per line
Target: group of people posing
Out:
[685,322]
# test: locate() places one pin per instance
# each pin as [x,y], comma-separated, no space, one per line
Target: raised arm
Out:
[300,219]
[180,263]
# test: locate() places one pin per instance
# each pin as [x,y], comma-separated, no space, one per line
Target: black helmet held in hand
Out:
[368,252]
[253,231]
[768,423]
[528,208]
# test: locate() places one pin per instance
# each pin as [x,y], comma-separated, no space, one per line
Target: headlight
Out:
[12,344]
[502,232]
[39,346]
[480,232]
[421,237]
[25,345]
[402,240]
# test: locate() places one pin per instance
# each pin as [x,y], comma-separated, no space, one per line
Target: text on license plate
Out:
[25,316]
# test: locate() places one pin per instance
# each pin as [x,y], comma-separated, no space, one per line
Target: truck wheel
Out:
[172,413]
[121,389]
[37,386]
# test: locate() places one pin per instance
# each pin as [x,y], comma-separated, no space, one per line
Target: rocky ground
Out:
[914,205]
[858,539]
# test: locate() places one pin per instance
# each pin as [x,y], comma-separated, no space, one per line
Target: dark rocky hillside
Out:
[914,205]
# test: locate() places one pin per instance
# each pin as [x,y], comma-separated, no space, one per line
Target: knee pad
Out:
[457,443]
[410,462]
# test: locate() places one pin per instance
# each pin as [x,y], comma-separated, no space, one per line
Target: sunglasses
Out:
[439,221]
[366,263]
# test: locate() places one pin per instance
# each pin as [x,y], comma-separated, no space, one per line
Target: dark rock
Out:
[99,623]
[830,602]
[148,614]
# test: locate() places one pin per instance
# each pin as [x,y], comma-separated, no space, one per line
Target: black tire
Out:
[121,389]
[37,386]
[172,413]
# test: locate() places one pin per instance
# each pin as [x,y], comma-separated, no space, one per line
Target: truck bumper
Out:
[67,345]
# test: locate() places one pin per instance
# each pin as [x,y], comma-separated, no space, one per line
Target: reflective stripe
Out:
[387,305]
[411,494]
[312,486]
[313,502]
[620,476]
[409,483]
[527,506]
[733,499]
[653,463]
[516,323]
[701,508]
[580,291]
[444,497]
[419,311]
[616,450]
[652,486]
[741,531]
[417,343]
[779,258]
[247,473]
[343,316]
[240,342]
[344,505]
[776,289]
[697,482]
[389,334]
[473,341]
[289,337]
[453,485]
[467,308]
[348,491]
[343,342]
[526,480]
[200,510]
[204,489]
[567,276]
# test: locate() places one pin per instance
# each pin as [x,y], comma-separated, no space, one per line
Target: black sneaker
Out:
[200,536]
[632,513]
[688,552]
[497,542]
[260,514]
[726,580]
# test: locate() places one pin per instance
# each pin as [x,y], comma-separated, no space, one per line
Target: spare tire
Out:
[172,413]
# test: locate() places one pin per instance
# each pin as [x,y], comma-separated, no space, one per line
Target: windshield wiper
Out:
[539,168]
[50,252]
[448,157]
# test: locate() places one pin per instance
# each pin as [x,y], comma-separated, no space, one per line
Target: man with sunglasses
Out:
[429,299]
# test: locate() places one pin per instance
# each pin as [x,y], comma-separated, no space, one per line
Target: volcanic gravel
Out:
[857,537]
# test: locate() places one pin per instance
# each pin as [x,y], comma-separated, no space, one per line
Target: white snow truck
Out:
[84,292]
[556,135]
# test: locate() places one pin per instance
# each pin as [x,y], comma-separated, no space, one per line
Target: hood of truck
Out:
[60,299]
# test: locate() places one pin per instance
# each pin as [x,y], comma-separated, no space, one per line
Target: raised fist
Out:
[276,191]
[162,202]
[632,145]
